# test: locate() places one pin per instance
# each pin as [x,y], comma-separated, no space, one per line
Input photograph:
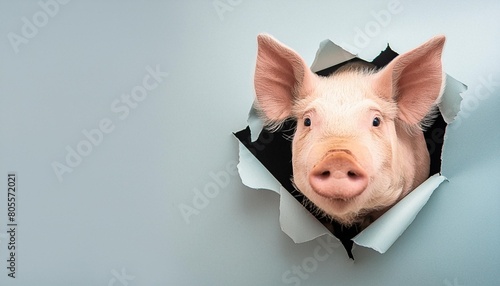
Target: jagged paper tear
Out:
[302,226]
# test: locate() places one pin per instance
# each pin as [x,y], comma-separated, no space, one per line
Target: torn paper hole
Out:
[265,163]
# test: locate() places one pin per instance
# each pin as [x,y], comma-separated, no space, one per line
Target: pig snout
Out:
[338,176]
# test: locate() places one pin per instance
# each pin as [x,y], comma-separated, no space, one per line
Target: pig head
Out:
[358,147]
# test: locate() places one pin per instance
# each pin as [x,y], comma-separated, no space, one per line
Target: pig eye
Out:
[307,121]
[376,121]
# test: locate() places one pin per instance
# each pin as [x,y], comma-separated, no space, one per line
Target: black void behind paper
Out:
[274,151]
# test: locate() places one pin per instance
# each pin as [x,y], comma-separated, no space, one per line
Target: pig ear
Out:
[281,76]
[414,80]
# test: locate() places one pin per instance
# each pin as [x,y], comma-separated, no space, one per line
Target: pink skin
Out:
[359,147]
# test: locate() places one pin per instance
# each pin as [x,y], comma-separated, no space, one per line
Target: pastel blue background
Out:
[119,210]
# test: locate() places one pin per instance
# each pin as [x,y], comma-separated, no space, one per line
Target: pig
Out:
[358,147]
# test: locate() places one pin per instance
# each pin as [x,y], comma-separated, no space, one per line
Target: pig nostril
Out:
[351,174]
[325,174]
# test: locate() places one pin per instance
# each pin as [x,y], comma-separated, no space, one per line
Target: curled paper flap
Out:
[384,231]
[450,102]
[253,174]
[255,123]
[294,217]
[329,54]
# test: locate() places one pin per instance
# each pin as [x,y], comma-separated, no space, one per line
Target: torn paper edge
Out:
[293,216]
[381,233]
[449,105]
[298,223]
[329,55]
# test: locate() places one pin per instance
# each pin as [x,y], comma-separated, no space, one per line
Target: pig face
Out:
[358,147]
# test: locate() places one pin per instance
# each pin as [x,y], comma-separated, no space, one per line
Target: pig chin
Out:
[344,211]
